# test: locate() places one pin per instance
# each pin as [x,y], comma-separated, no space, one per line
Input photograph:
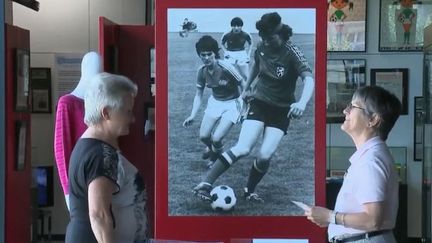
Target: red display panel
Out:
[18,123]
[181,216]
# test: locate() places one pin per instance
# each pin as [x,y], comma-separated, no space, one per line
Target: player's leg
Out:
[230,116]
[271,140]
[219,133]
[249,134]
[212,114]
[276,126]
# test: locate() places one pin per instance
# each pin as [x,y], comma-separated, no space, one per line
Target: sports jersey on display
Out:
[224,80]
[278,74]
[236,41]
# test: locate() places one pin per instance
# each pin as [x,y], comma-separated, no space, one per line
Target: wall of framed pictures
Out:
[376,58]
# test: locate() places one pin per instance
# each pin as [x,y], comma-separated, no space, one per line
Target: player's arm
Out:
[195,106]
[249,48]
[298,107]
[252,75]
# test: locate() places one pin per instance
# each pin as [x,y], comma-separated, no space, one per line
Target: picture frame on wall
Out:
[401,24]
[344,76]
[394,80]
[22,79]
[418,128]
[346,26]
[150,12]
[179,150]
[21,143]
[41,90]
[152,72]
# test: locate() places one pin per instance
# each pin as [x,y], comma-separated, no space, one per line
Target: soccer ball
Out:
[223,198]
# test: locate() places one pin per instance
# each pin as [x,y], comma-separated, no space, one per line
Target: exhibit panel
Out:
[18,124]
[297,169]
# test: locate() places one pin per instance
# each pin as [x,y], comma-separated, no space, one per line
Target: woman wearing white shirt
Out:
[367,203]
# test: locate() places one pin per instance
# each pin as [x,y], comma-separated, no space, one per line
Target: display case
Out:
[427,136]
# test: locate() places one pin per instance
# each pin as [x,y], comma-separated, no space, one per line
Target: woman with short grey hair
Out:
[107,194]
[367,203]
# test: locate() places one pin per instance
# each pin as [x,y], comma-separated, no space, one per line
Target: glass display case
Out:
[427,135]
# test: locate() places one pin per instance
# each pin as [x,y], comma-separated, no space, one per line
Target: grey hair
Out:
[381,102]
[106,91]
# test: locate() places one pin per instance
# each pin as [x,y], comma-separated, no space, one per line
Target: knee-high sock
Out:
[257,172]
[222,164]
[207,142]
[217,148]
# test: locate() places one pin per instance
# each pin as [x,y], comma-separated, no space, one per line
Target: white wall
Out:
[63,26]
[402,134]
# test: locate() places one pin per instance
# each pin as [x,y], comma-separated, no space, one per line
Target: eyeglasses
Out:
[350,106]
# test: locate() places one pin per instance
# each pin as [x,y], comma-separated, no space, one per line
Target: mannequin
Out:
[69,125]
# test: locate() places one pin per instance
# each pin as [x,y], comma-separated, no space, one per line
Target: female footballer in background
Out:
[224,104]
[278,64]
[237,47]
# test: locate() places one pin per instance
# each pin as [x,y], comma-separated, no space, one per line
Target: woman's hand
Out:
[188,121]
[318,215]
[296,110]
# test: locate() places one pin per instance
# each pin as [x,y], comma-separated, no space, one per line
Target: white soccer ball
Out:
[223,198]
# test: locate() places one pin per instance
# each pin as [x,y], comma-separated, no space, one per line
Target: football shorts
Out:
[272,116]
[228,109]
[237,57]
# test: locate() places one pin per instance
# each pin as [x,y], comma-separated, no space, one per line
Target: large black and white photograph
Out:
[241,111]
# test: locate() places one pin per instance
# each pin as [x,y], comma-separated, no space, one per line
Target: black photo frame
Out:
[394,80]
[152,72]
[41,90]
[401,24]
[418,128]
[344,76]
[21,145]
[150,12]
[346,26]
[22,79]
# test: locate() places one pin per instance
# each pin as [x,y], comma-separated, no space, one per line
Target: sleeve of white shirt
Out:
[372,179]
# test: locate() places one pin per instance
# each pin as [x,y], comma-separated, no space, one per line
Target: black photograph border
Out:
[21,80]
[336,115]
[402,83]
[41,94]
[365,28]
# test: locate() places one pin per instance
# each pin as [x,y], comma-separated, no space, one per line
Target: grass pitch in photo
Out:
[291,174]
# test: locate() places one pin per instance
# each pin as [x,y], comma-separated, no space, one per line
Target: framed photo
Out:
[346,21]
[21,138]
[394,80]
[41,90]
[402,23]
[418,128]
[152,72]
[297,168]
[150,12]
[149,113]
[22,79]
[344,76]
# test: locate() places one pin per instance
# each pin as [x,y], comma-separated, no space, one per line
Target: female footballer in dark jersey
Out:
[278,64]
[237,46]
[224,105]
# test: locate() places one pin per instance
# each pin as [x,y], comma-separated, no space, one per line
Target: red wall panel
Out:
[18,204]
[131,45]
